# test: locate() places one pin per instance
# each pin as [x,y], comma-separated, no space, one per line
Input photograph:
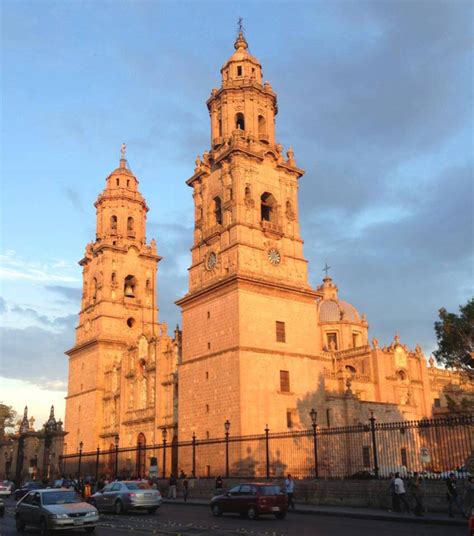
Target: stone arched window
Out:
[402,376]
[113,222]
[219,123]
[217,210]
[351,370]
[268,207]
[129,286]
[130,223]
[94,289]
[262,125]
[240,121]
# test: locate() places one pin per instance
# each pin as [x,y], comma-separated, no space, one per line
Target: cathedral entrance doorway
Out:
[141,456]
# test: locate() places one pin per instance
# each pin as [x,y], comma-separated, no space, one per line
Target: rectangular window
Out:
[239,71]
[366,456]
[332,340]
[284,381]
[403,452]
[328,417]
[437,402]
[355,340]
[289,418]
[280,332]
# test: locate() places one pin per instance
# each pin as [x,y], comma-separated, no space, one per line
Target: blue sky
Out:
[375,98]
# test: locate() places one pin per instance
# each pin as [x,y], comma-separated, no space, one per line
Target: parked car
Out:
[66,483]
[26,488]
[471,523]
[9,484]
[5,490]
[2,507]
[55,509]
[251,500]
[122,496]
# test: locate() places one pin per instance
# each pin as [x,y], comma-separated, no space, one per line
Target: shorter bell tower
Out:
[112,367]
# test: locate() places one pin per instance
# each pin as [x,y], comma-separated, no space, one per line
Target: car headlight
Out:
[90,514]
[60,516]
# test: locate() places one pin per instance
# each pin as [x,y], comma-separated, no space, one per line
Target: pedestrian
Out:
[87,491]
[172,487]
[185,486]
[290,491]
[414,487]
[219,485]
[393,495]
[469,495]
[453,496]
[182,474]
[401,493]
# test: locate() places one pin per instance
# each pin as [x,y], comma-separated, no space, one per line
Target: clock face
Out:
[274,256]
[211,260]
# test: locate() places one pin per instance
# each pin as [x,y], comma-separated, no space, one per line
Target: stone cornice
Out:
[93,342]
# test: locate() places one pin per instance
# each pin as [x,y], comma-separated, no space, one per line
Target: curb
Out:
[402,518]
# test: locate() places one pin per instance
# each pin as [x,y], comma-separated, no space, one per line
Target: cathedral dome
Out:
[337,310]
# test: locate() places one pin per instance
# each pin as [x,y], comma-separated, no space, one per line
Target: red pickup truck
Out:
[251,500]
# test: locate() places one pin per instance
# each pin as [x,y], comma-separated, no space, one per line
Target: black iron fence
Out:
[434,447]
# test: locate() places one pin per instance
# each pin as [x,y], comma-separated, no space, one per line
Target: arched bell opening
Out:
[130,285]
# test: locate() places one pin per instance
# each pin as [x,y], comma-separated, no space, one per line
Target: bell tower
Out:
[118,319]
[249,308]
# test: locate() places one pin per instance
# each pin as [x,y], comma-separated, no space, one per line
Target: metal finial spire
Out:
[326,268]
[240,26]
[123,149]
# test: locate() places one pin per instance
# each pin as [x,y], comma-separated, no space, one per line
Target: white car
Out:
[5,490]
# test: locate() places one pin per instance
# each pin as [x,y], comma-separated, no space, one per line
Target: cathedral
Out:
[259,346]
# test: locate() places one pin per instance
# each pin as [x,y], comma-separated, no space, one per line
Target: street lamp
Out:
[227,428]
[116,439]
[314,417]
[81,444]
[6,468]
[164,433]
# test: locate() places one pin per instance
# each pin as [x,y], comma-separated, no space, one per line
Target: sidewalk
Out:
[357,513]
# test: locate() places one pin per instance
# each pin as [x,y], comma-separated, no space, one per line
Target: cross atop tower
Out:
[123,149]
[326,268]
[240,26]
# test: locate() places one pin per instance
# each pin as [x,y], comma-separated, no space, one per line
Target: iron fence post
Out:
[194,455]
[97,465]
[79,462]
[267,450]
[164,457]
[374,444]
[315,440]
[117,439]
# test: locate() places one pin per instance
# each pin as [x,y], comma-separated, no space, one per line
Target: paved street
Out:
[175,519]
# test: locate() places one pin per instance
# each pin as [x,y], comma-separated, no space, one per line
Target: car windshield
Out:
[61,497]
[271,490]
[137,485]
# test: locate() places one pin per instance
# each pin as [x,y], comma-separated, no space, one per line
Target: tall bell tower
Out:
[249,309]
[112,380]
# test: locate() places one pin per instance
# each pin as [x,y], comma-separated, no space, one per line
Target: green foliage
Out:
[455,334]
[7,418]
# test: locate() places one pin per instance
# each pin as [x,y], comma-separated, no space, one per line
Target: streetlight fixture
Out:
[227,428]
[164,433]
[81,445]
[314,417]
[116,440]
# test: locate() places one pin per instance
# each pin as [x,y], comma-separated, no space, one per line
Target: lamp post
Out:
[267,451]
[314,417]
[97,465]
[116,439]
[6,465]
[164,434]
[374,444]
[227,428]
[81,444]
[194,455]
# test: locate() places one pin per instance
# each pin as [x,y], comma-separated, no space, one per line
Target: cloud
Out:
[16,268]
[36,354]
[3,305]
[70,293]
[73,196]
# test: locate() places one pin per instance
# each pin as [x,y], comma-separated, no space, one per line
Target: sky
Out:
[375,98]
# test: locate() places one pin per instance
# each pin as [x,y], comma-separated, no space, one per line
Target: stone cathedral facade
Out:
[259,345]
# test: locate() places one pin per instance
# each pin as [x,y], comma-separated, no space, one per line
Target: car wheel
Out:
[20,526]
[118,508]
[252,513]
[280,515]
[44,531]
[152,510]
[216,510]
[90,530]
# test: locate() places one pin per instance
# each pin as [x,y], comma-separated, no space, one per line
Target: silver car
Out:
[122,496]
[55,509]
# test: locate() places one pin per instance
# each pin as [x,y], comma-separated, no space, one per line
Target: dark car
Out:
[251,500]
[26,488]
[55,509]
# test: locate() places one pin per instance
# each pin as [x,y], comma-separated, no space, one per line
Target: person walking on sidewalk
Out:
[414,487]
[219,485]
[393,495]
[185,486]
[469,495]
[290,491]
[400,491]
[453,496]
[172,487]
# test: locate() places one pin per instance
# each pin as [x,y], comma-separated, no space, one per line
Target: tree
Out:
[455,334]
[7,418]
